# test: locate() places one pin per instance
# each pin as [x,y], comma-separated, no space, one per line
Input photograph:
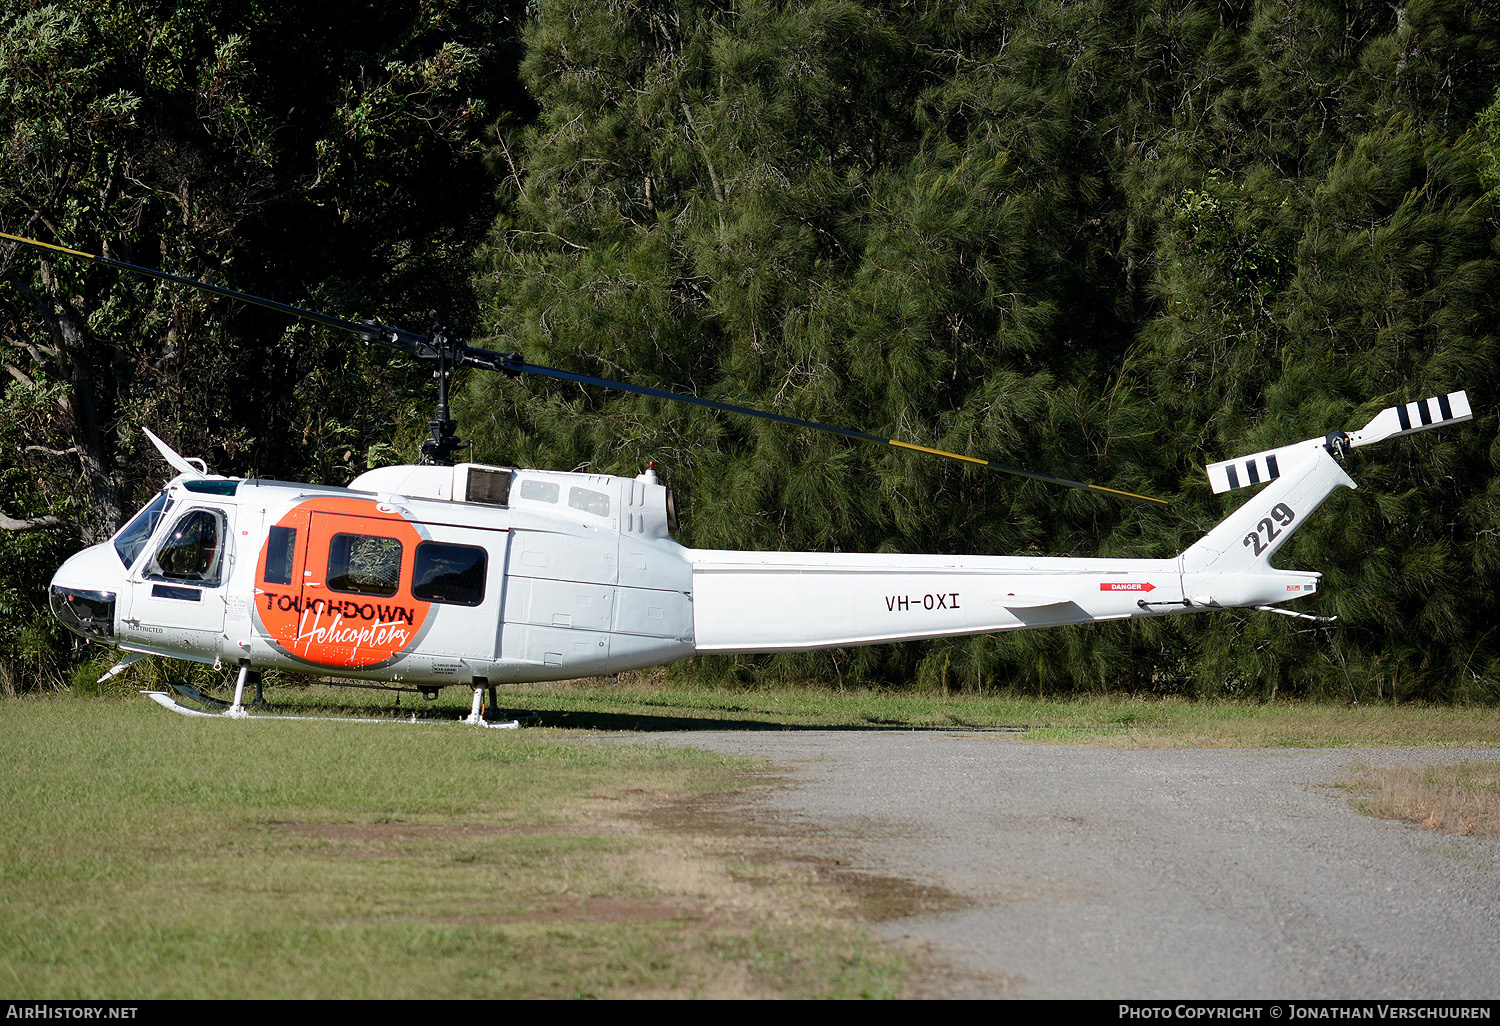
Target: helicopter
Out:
[474,575]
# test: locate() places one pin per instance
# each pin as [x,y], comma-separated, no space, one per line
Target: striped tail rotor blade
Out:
[1261,467]
[1423,415]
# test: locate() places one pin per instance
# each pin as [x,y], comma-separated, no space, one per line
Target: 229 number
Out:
[1271,526]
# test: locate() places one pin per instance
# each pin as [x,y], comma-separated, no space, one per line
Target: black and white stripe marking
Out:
[1413,417]
[1253,473]
[1392,422]
[1423,412]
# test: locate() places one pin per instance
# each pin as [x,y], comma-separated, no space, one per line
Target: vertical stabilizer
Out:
[1248,537]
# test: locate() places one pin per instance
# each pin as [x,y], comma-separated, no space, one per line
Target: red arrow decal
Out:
[1124,586]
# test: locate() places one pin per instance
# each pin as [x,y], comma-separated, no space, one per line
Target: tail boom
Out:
[747,602]
[800,601]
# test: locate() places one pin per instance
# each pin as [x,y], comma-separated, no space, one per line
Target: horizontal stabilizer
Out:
[1014,600]
[1438,411]
[1260,468]
[1263,467]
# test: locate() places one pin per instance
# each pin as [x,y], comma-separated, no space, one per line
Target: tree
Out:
[241,144]
[1105,240]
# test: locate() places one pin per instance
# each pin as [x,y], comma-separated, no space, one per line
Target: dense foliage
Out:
[320,153]
[1108,240]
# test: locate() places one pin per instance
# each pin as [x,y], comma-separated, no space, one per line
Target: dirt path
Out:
[1101,873]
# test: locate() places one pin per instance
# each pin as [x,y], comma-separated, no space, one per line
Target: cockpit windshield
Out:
[130,541]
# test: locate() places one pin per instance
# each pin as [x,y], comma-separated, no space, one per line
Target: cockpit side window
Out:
[193,550]
[130,541]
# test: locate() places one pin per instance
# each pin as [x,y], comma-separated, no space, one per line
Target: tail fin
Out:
[1301,476]
[1248,538]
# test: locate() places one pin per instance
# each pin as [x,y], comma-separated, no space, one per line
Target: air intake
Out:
[488,487]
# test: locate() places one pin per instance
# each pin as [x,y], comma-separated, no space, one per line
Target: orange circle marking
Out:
[311,621]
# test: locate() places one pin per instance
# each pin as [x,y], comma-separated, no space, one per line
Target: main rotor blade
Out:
[513,364]
[406,341]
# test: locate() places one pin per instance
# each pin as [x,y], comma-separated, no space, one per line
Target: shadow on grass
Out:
[646,723]
[565,719]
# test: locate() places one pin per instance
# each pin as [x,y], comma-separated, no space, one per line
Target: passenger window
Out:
[539,491]
[449,573]
[193,550]
[589,501]
[364,565]
[280,548]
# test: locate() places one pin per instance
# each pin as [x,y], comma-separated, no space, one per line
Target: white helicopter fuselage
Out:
[479,575]
[437,575]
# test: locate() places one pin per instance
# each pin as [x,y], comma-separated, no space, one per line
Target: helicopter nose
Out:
[89,614]
[83,593]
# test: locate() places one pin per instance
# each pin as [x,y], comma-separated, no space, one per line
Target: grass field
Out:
[149,856]
[643,703]
[146,855]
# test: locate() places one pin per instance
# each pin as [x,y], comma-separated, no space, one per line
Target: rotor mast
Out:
[439,447]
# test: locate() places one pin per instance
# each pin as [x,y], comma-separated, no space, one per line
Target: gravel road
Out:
[1099,873]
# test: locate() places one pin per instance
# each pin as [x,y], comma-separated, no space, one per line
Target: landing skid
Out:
[166,701]
[193,694]
[238,711]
